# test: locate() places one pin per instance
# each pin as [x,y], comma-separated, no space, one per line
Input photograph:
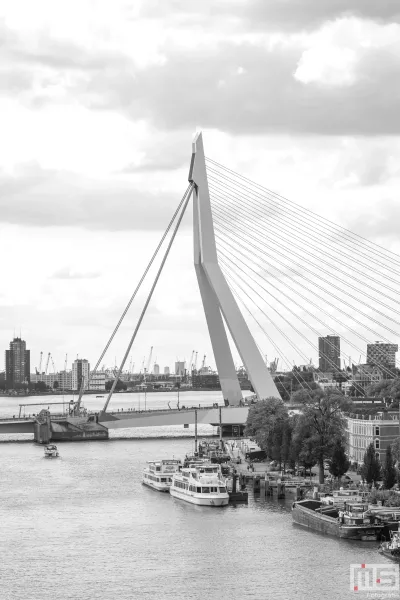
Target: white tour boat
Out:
[200,484]
[51,451]
[158,474]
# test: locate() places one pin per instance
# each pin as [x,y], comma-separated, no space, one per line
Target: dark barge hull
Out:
[304,513]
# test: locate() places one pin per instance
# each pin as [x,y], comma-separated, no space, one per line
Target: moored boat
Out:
[158,474]
[200,484]
[354,522]
[391,549]
[51,451]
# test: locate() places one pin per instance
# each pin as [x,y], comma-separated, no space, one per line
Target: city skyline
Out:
[90,164]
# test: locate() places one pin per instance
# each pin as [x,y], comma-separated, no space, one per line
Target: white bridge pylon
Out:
[218,301]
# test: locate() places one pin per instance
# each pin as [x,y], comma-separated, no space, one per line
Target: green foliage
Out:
[339,462]
[268,424]
[396,450]
[389,388]
[389,470]
[119,386]
[371,467]
[40,386]
[56,385]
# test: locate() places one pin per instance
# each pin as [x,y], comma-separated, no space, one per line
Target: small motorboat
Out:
[51,451]
[391,549]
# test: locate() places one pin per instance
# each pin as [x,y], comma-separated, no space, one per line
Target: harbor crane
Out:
[146,372]
[203,364]
[189,369]
[47,363]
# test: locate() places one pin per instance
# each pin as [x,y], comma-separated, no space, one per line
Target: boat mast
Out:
[195,431]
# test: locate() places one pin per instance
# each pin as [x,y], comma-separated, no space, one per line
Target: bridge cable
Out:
[359,241]
[78,403]
[186,199]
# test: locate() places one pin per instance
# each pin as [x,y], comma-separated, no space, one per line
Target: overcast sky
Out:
[99,101]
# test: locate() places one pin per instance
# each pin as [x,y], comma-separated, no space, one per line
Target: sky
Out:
[99,102]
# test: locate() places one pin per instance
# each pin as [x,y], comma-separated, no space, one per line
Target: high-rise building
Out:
[18,360]
[329,353]
[156,369]
[80,370]
[180,368]
[382,354]
[97,381]
[166,370]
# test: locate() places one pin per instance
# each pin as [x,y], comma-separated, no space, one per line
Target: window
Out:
[377,444]
[206,490]
[222,490]
[376,430]
[199,490]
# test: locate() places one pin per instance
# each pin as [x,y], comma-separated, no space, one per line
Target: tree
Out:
[389,470]
[339,461]
[324,423]
[371,467]
[119,386]
[396,450]
[56,385]
[40,386]
[266,422]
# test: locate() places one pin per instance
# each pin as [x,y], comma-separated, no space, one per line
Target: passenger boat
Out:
[51,451]
[213,452]
[354,522]
[158,474]
[201,484]
[391,549]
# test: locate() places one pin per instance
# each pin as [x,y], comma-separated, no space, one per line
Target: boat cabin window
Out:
[199,490]
[206,490]
[222,490]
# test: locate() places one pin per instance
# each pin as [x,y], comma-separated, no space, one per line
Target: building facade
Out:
[18,364]
[329,353]
[97,381]
[80,370]
[166,371]
[382,354]
[156,369]
[381,429]
[180,368]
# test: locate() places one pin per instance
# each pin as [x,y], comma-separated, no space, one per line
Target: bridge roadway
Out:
[230,415]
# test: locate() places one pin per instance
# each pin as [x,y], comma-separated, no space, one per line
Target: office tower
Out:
[329,353]
[17,364]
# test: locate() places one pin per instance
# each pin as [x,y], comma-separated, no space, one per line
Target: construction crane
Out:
[54,368]
[142,367]
[203,364]
[47,363]
[65,364]
[195,361]
[146,372]
[189,369]
[40,363]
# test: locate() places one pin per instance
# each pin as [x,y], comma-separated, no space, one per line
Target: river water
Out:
[83,527]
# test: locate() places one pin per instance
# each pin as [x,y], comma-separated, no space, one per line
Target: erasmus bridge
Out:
[295,275]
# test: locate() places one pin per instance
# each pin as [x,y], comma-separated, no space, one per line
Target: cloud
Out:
[38,197]
[292,15]
[68,273]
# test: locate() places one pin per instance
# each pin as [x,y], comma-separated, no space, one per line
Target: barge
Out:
[353,523]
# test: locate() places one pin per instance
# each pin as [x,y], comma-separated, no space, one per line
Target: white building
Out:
[156,369]
[166,370]
[97,381]
[80,370]
[48,379]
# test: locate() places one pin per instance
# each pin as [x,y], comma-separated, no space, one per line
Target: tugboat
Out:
[391,549]
[51,451]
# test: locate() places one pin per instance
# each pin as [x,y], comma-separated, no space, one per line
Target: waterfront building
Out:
[208,381]
[97,381]
[65,380]
[166,371]
[48,379]
[382,354]
[80,371]
[180,368]
[17,364]
[329,353]
[156,369]
[382,429]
